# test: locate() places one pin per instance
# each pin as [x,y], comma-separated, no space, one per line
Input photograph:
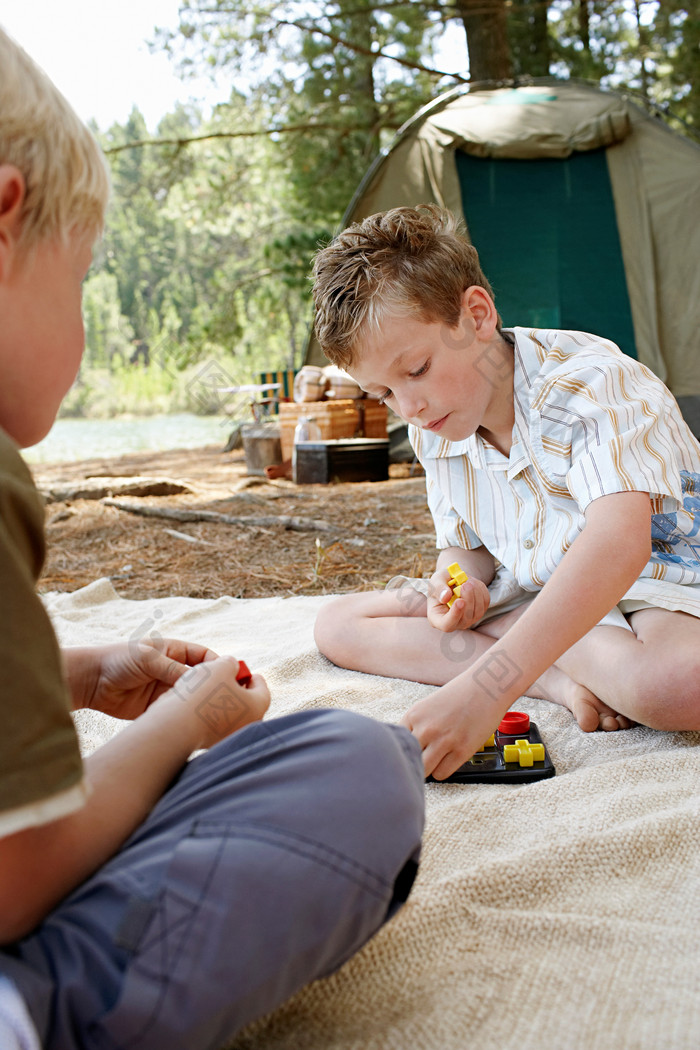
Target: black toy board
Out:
[489,766]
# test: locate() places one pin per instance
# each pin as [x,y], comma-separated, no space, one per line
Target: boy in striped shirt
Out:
[561,478]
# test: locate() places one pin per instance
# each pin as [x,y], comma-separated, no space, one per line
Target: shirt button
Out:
[528,545]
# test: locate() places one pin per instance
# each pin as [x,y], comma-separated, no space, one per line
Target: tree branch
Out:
[360,50]
[187,139]
[282,521]
[450,11]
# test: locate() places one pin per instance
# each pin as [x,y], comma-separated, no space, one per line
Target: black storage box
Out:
[342,459]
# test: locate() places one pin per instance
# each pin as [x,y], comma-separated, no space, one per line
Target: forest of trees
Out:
[214,220]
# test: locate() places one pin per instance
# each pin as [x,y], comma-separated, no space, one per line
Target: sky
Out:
[96,53]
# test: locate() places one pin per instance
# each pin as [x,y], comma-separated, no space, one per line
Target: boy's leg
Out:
[273,858]
[650,674]
[387,633]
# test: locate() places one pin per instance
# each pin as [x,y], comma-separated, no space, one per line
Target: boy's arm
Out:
[125,777]
[597,570]
[477,563]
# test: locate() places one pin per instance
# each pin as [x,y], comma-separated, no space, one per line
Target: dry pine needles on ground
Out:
[225,532]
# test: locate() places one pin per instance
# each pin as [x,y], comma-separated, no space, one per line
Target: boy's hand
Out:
[220,703]
[465,611]
[124,679]
[449,730]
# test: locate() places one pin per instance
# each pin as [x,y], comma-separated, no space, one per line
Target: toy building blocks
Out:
[514,722]
[523,752]
[515,753]
[243,675]
[457,577]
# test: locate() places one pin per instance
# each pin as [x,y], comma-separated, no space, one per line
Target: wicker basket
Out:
[336,419]
[344,418]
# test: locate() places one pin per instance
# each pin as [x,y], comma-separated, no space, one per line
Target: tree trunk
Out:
[539,56]
[485,24]
[584,23]
[360,26]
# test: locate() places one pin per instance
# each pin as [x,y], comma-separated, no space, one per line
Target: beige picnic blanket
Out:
[558,915]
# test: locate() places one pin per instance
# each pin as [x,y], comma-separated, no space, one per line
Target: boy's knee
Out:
[332,630]
[380,745]
[668,699]
[379,752]
[374,773]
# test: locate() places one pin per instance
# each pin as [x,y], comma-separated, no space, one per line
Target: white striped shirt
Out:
[589,421]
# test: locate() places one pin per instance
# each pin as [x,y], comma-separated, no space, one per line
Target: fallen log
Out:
[94,488]
[180,514]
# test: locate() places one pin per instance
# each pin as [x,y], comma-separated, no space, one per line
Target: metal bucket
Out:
[262,446]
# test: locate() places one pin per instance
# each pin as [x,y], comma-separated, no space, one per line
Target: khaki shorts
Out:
[646,593]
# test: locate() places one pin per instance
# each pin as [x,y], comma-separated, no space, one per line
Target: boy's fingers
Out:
[159,652]
[189,653]
[167,669]
[445,766]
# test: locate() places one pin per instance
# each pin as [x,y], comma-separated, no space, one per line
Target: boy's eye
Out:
[420,371]
[385,397]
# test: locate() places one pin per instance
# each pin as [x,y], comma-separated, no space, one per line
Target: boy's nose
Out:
[411,407]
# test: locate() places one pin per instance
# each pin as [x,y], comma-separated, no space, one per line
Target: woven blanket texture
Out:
[559,914]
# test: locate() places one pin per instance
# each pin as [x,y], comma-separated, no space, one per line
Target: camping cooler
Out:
[342,459]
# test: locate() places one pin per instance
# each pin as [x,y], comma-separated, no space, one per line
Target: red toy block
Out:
[514,722]
[244,675]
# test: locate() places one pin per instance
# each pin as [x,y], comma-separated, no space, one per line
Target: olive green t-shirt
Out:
[40,765]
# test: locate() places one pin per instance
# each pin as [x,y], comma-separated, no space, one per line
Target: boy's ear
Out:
[477,302]
[12,193]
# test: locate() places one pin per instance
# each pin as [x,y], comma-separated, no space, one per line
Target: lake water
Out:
[73,439]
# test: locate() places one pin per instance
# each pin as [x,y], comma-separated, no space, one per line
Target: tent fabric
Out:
[556,215]
[654,178]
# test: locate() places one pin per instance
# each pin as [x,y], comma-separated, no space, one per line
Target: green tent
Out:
[583,206]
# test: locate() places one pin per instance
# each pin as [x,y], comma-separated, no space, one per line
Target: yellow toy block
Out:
[523,752]
[457,577]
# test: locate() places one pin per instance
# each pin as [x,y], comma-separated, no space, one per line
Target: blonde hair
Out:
[67,185]
[411,261]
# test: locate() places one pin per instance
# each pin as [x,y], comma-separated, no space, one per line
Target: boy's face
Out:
[42,337]
[449,380]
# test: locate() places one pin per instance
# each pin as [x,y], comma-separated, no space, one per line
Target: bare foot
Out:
[590,712]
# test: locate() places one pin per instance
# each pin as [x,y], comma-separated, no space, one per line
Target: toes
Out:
[587,717]
[591,716]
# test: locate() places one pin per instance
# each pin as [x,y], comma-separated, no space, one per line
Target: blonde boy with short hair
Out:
[146,899]
[561,478]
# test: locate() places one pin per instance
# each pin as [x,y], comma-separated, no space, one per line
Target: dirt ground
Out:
[352,536]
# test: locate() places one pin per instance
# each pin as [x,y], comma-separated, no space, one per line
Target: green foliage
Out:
[647,46]
[317,68]
[208,247]
[107,331]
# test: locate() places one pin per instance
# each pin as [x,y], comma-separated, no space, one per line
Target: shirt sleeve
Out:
[40,764]
[617,428]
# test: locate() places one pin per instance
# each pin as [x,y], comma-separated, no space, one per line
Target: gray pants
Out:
[272,858]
